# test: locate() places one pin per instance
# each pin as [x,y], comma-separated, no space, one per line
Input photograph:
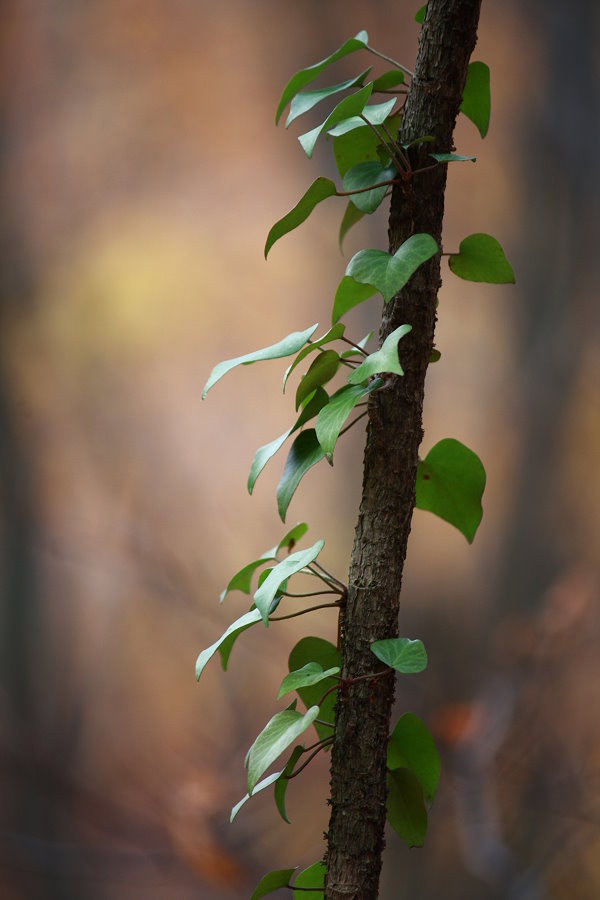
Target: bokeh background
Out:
[140,171]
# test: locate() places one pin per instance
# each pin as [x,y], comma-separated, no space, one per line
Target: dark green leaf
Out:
[321,370]
[481,258]
[293,563]
[406,811]
[401,654]
[285,347]
[411,746]
[305,101]
[388,80]
[348,107]
[313,877]
[452,157]
[388,274]
[333,334]
[375,113]
[350,293]
[319,190]
[420,15]
[234,630]
[363,175]
[383,360]
[282,782]
[450,484]
[360,145]
[315,649]
[272,882]
[435,356]
[265,783]
[311,673]
[304,453]
[277,735]
[476,102]
[332,417]
[305,76]
[351,216]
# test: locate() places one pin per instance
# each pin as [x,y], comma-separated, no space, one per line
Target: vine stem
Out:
[322,744]
[371,187]
[391,150]
[309,593]
[356,346]
[302,612]
[343,586]
[390,60]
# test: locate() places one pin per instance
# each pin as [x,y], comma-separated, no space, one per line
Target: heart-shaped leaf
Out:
[401,654]
[387,273]
[283,781]
[321,370]
[272,882]
[305,76]
[361,144]
[375,114]
[476,102]
[349,106]
[411,746]
[264,596]
[315,649]
[285,347]
[333,334]
[362,176]
[351,216]
[311,673]
[383,360]
[481,258]
[450,484]
[277,735]
[319,190]
[308,881]
[304,453]
[406,811]
[305,101]
[242,580]
[331,418]
[350,293]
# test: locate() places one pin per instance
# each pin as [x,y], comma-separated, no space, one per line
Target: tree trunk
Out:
[358,764]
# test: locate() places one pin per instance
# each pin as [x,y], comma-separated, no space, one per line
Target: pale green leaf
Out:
[311,673]
[401,654]
[361,144]
[450,484]
[304,453]
[235,629]
[285,347]
[351,106]
[362,176]
[383,360]
[406,811]
[305,76]
[476,101]
[277,735]
[374,113]
[332,417]
[315,649]
[242,580]
[351,216]
[319,190]
[388,80]
[411,746]
[293,563]
[321,370]
[452,157]
[307,100]
[481,258]
[333,334]
[389,273]
[272,882]
[349,294]
[265,783]
[313,877]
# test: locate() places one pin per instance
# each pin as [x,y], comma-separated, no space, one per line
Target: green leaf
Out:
[332,417]
[313,877]
[406,811]
[349,293]
[383,360]
[363,175]
[310,408]
[282,782]
[315,649]
[304,453]
[234,630]
[305,101]
[348,107]
[362,344]
[277,735]
[450,484]
[321,370]
[411,746]
[435,356]
[242,580]
[375,113]
[311,673]
[420,15]
[333,334]
[401,654]
[351,216]
[452,157]
[319,190]
[388,80]
[305,76]
[265,783]
[272,882]
[481,258]
[476,102]
[388,274]
[360,145]
[293,563]
[285,347]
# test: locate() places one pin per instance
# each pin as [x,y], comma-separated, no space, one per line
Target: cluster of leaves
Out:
[450,479]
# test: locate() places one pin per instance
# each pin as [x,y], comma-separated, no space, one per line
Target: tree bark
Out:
[394,433]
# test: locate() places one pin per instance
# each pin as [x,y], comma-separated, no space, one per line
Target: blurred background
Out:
[140,171]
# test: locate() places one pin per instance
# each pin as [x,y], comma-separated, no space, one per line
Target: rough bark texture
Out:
[358,765]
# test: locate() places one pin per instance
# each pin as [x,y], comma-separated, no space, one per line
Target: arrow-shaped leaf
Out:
[305,76]
[351,216]
[452,157]
[304,453]
[277,735]
[331,418]
[265,783]
[348,107]
[305,101]
[283,781]
[311,673]
[388,80]
[272,882]
[387,273]
[401,654]
[375,114]
[349,294]
[234,630]
[264,596]
[285,347]
[362,176]
[383,360]
[319,190]
[481,258]
[476,102]
[450,484]
[242,580]
[321,370]
[315,649]
[333,334]
[357,146]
